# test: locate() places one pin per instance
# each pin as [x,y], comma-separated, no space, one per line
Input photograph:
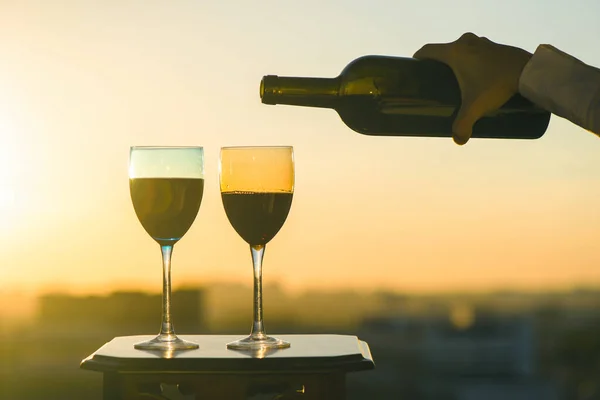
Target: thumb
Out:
[471,109]
[475,104]
[462,127]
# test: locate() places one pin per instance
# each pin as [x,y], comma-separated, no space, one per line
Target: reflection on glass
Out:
[258,352]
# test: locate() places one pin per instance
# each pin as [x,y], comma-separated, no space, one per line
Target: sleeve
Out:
[563,85]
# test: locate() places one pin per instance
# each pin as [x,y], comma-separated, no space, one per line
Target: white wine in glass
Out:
[257,186]
[166,186]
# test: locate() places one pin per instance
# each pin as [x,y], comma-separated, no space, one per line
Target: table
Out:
[314,367]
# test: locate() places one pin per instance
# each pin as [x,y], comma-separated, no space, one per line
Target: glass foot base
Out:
[250,343]
[166,343]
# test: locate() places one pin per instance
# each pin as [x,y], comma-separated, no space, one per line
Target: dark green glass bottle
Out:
[395,96]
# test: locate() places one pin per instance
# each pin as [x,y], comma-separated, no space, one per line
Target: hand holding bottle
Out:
[397,96]
[487,73]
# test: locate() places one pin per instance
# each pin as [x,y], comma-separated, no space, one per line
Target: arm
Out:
[564,86]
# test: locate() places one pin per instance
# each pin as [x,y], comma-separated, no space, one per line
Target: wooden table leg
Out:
[330,386]
[112,386]
[325,386]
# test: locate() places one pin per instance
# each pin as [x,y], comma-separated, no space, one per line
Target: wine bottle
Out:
[397,96]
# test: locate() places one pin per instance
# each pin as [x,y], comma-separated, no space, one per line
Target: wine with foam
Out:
[256,216]
[166,207]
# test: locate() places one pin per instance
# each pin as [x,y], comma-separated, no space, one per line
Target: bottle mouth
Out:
[268,89]
[262,87]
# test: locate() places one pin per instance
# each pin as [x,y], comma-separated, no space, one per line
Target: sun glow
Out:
[7,198]
[8,161]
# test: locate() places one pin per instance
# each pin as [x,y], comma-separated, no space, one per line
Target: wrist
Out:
[561,84]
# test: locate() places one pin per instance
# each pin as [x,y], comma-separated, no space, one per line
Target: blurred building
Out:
[459,356]
[118,314]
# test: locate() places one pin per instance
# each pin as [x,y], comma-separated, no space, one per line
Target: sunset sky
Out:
[81,81]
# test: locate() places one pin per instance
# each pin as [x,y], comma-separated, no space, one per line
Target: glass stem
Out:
[258,329]
[166,328]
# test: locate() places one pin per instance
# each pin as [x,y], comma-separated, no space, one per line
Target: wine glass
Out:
[166,186]
[257,185]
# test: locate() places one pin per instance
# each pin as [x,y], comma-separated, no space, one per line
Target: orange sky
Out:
[81,82]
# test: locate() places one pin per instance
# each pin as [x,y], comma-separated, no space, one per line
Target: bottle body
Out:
[395,96]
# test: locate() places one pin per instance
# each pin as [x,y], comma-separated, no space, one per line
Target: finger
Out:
[469,39]
[434,51]
[441,51]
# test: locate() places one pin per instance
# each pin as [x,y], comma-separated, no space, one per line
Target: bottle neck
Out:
[309,92]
